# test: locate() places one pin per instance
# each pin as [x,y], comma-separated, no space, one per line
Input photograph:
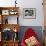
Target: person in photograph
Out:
[28,12]
[31,12]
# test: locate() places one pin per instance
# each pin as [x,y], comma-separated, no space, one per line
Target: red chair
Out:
[29,33]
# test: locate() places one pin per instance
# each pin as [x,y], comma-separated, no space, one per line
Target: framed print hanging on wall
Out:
[29,13]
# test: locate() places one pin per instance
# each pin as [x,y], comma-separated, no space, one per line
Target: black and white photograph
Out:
[29,13]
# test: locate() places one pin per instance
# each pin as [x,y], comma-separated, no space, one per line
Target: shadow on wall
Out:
[37,29]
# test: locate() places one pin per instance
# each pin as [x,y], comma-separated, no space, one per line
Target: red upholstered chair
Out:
[28,34]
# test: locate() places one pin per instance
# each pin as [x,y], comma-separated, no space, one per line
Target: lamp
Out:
[15,3]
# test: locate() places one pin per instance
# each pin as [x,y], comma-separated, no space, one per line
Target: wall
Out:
[27,4]
[39,13]
[7,3]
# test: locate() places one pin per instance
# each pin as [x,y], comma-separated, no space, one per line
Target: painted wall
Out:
[27,4]
[39,13]
[7,3]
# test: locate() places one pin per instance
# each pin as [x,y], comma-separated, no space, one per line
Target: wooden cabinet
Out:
[44,6]
[9,15]
[9,23]
[10,43]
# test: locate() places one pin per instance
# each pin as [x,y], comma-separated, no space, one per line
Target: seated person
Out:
[30,38]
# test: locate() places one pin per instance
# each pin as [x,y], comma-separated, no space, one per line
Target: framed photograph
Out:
[5,12]
[29,13]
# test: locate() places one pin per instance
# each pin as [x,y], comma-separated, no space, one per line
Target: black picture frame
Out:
[29,13]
